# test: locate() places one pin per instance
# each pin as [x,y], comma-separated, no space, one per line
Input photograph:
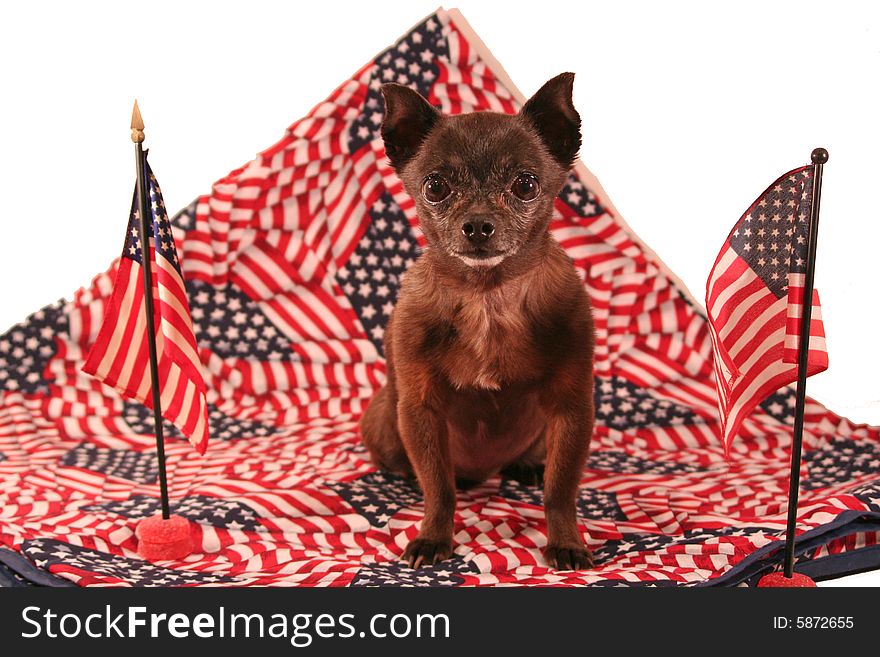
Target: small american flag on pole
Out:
[119,358]
[754,297]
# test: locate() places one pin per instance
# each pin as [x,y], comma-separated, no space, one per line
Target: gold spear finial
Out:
[137,125]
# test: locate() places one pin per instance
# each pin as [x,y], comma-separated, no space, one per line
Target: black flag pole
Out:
[819,158]
[137,136]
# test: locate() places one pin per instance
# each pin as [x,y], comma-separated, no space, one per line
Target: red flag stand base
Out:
[160,539]
[779,580]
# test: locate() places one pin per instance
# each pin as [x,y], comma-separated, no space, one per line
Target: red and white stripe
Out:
[749,326]
[818,349]
[120,358]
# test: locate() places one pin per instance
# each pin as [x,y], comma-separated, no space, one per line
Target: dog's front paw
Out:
[426,552]
[568,557]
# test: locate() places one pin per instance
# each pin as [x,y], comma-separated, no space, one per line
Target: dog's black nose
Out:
[477,231]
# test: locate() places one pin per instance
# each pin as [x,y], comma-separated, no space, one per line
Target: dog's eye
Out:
[435,188]
[525,187]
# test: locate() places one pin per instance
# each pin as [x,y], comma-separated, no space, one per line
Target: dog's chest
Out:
[492,343]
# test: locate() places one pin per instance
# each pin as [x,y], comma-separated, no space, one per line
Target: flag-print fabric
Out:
[119,356]
[292,265]
[754,298]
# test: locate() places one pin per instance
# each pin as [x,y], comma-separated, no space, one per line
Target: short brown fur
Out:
[489,367]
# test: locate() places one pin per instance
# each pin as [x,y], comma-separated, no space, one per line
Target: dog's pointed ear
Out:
[553,115]
[408,120]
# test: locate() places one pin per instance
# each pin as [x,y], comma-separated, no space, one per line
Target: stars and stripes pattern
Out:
[292,266]
[119,355]
[754,296]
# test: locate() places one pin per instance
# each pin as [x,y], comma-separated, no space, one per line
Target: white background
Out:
[690,110]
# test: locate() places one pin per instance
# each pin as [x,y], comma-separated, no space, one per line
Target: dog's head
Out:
[484,183]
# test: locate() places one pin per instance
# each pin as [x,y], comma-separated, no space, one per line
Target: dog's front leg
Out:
[424,436]
[569,430]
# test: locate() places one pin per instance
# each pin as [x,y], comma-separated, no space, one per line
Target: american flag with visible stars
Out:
[119,355]
[292,265]
[754,296]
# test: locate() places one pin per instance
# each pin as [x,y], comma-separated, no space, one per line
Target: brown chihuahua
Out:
[490,346]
